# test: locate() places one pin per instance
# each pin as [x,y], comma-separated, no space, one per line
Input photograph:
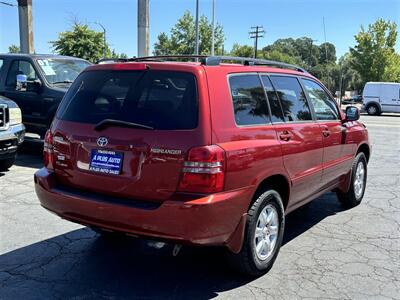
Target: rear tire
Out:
[373,109]
[263,235]
[358,183]
[5,164]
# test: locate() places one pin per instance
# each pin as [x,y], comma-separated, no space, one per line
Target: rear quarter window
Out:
[249,101]
[159,99]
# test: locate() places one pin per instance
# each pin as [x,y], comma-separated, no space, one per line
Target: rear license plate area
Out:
[106,162]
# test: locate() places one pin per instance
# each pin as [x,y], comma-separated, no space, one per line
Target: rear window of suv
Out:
[160,99]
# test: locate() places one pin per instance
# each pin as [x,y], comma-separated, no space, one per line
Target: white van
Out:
[381,97]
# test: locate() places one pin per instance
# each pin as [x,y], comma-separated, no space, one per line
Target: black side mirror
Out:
[352,113]
[34,86]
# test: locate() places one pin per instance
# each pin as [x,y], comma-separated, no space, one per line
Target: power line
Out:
[7,3]
[256,33]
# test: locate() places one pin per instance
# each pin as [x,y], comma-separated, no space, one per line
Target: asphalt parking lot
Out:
[328,252]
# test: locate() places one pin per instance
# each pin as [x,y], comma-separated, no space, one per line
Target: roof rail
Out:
[170,57]
[114,60]
[210,60]
[216,60]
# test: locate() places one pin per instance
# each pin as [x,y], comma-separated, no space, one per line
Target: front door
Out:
[336,160]
[300,138]
[29,101]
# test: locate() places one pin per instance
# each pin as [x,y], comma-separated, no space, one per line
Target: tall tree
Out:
[83,42]
[327,53]
[182,39]
[14,49]
[374,55]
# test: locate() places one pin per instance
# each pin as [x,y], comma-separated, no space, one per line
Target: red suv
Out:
[211,152]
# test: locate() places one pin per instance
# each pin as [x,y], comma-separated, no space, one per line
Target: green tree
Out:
[351,79]
[303,50]
[327,53]
[329,74]
[281,56]
[242,50]
[374,55]
[182,39]
[14,49]
[83,42]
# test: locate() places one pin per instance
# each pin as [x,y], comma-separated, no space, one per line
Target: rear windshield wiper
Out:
[111,122]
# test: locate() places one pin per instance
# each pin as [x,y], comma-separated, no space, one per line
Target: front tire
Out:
[373,110]
[358,182]
[263,235]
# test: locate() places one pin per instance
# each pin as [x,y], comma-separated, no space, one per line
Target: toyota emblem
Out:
[102,141]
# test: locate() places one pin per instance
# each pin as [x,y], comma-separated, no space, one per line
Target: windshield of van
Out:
[157,99]
[59,70]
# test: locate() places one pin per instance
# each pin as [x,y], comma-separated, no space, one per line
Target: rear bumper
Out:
[204,220]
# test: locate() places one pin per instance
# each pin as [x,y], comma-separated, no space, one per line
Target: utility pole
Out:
[197,28]
[104,37]
[256,33]
[213,29]
[25,26]
[143,28]
[326,49]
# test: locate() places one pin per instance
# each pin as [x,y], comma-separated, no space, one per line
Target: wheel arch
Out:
[373,102]
[364,148]
[279,182]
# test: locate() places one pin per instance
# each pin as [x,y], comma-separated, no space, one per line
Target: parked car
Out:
[381,97]
[204,153]
[12,132]
[39,92]
[353,100]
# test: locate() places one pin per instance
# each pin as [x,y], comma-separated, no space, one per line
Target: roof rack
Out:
[114,60]
[217,60]
[171,57]
[210,60]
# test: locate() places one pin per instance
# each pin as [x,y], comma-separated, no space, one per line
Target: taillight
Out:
[48,157]
[204,170]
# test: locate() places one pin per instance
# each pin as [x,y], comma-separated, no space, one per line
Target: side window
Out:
[293,100]
[249,102]
[324,107]
[1,63]
[274,104]
[20,67]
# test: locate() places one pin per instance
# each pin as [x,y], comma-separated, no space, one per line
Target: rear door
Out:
[336,161]
[299,135]
[141,161]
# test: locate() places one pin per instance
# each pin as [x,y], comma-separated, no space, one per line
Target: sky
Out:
[280,19]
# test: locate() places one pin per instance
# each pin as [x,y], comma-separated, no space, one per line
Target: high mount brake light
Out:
[204,170]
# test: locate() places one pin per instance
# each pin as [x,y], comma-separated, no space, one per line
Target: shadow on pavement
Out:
[30,154]
[82,265]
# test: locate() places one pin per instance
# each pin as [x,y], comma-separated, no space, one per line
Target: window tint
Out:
[276,109]
[249,102]
[20,67]
[292,97]
[324,107]
[159,99]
